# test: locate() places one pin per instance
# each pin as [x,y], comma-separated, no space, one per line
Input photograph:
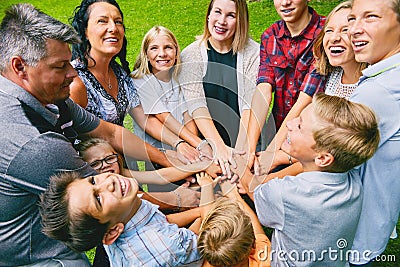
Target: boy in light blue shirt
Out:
[105,208]
[315,214]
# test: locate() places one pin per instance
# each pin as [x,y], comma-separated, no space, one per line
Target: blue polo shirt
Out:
[379,89]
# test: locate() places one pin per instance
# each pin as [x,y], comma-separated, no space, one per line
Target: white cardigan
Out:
[194,68]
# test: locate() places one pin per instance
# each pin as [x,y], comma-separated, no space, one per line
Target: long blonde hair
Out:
[242,26]
[322,62]
[142,66]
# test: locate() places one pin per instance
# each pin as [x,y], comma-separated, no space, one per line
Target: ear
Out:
[18,66]
[113,233]
[324,159]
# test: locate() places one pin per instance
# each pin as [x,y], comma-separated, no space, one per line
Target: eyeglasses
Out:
[98,164]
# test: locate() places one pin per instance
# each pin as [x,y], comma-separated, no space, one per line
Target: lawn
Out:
[185,18]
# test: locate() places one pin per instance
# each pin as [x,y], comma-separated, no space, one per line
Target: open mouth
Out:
[220,30]
[124,186]
[360,44]
[163,62]
[111,40]
[287,11]
[336,50]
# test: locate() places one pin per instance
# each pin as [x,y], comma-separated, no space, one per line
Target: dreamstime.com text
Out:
[340,253]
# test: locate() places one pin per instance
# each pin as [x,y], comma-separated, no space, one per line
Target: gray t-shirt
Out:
[314,214]
[30,153]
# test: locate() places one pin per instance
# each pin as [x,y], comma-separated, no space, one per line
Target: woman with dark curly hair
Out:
[104,87]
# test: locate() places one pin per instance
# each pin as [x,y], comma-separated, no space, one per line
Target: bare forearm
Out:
[206,126]
[241,140]
[177,128]
[259,111]
[303,101]
[184,218]
[166,200]
[170,174]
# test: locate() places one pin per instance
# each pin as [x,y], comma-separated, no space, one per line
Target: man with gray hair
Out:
[39,125]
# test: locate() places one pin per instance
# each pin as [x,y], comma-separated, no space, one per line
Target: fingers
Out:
[238,152]
[223,164]
[241,189]
[216,180]
[256,166]
[234,179]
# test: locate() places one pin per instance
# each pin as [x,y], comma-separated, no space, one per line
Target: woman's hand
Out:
[187,153]
[188,198]
[224,157]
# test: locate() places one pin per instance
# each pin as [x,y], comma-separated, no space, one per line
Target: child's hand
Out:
[213,170]
[204,179]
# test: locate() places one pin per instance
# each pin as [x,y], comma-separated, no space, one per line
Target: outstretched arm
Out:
[259,111]
[172,174]
[127,143]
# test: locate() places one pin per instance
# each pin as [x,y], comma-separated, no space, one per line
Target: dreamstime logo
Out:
[340,253]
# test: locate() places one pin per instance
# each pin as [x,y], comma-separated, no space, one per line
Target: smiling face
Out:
[300,142]
[336,40]
[105,30]
[99,152]
[161,53]
[107,197]
[222,21]
[374,30]
[50,79]
[291,11]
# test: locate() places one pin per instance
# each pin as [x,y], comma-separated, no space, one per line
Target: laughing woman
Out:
[218,77]
[104,87]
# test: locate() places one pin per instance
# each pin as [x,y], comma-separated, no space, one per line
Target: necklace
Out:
[109,80]
[169,93]
[109,85]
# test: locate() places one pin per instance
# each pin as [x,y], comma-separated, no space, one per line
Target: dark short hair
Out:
[80,22]
[78,230]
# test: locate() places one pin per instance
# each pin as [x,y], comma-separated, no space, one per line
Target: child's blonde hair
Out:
[347,130]
[142,66]
[226,235]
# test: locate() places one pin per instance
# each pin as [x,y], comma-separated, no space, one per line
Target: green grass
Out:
[185,18]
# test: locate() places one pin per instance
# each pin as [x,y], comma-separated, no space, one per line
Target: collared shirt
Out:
[150,240]
[311,213]
[286,63]
[379,89]
[31,152]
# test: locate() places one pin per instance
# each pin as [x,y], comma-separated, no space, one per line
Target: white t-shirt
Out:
[156,97]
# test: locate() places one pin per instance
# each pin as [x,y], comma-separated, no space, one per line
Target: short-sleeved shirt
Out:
[150,240]
[30,153]
[310,212]
[100,102]
[379,89]
[156,97]
[286,63]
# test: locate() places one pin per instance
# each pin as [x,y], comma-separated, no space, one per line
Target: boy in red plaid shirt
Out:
[286,68]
